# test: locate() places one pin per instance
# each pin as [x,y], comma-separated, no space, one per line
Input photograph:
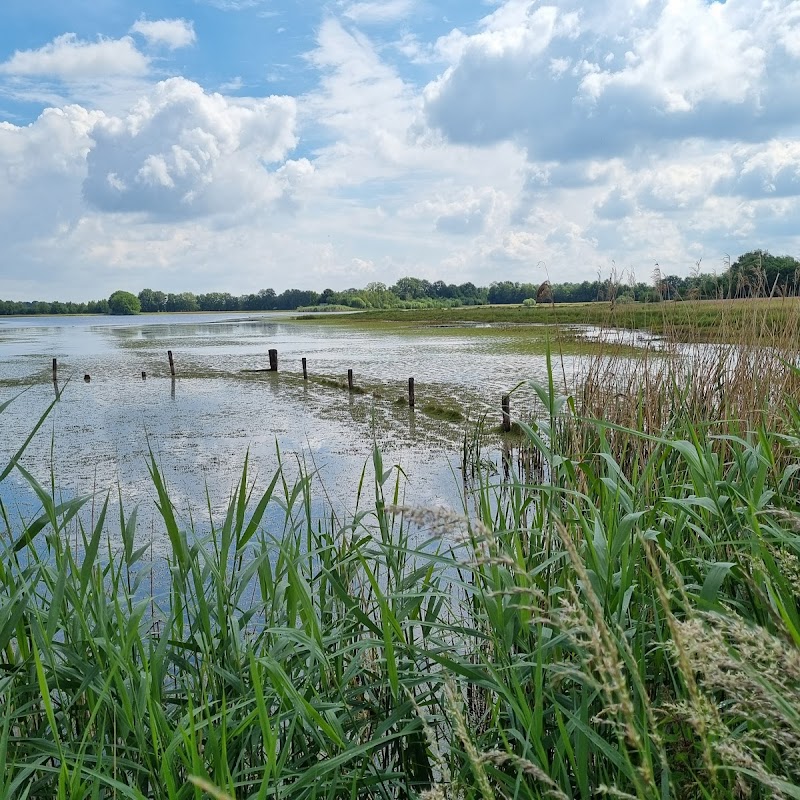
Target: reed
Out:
[684,321]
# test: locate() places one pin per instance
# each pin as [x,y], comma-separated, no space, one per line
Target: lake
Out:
[201,425]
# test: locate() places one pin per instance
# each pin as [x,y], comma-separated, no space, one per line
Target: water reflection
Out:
[103,431]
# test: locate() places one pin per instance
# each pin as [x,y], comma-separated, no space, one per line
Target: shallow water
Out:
[201,425]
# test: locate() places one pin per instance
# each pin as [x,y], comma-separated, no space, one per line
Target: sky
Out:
[235,145]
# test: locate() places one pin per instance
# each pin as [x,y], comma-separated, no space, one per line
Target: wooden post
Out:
[411,398]
[305,369]
[350,379]
[171,363]
[144,376]
[273,360]
[55,369]
[506,406]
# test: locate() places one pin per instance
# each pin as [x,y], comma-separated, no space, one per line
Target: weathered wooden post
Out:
[55,370]
[411,397]
[305,370]
[350,379]
[506,406]
[273,360]
[171,363]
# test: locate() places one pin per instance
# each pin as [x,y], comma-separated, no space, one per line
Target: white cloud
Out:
[357,88]
[615,205]
[553,131]
[231,5]
[234,85]
[465,212]
[617,76]
[182,152]
[69,58]
[769,171]
[295,180]
[363,105]
[379,11]
[696,53]
[42,166]
[790,30]
[171,33]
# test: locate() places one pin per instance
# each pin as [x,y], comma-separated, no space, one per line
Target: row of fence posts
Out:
[505,402]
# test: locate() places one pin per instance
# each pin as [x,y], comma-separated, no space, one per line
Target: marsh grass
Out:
[445,412]
[717,388]
[620,617]
[685,321]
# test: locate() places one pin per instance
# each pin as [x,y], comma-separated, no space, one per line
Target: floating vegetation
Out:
[442,411]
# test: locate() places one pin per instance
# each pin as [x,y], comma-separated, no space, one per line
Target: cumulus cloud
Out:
[615,205]
[555,131]
[295,178]
[42,166]
[69,58]
[171,33]
[496,86]
[182,152]
[466,212]
[769,171]
[696,53]
[568,86]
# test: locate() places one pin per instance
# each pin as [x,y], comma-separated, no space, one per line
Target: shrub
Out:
[124,303]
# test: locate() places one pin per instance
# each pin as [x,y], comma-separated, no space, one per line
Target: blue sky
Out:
[235,145]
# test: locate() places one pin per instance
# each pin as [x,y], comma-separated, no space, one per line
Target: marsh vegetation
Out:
[616,615]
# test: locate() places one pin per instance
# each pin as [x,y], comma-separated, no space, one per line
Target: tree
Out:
[411,288]
[506,292]
[295,298]
[152,301]
[124,303]
[758,273]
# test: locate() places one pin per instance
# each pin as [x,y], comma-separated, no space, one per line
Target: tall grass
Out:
[622,621]
[726,320]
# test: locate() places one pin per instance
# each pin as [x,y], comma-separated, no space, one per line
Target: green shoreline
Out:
[696,320]
[685,320]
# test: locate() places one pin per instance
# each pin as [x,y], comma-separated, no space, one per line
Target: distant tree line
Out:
[28,307]
[754,274]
